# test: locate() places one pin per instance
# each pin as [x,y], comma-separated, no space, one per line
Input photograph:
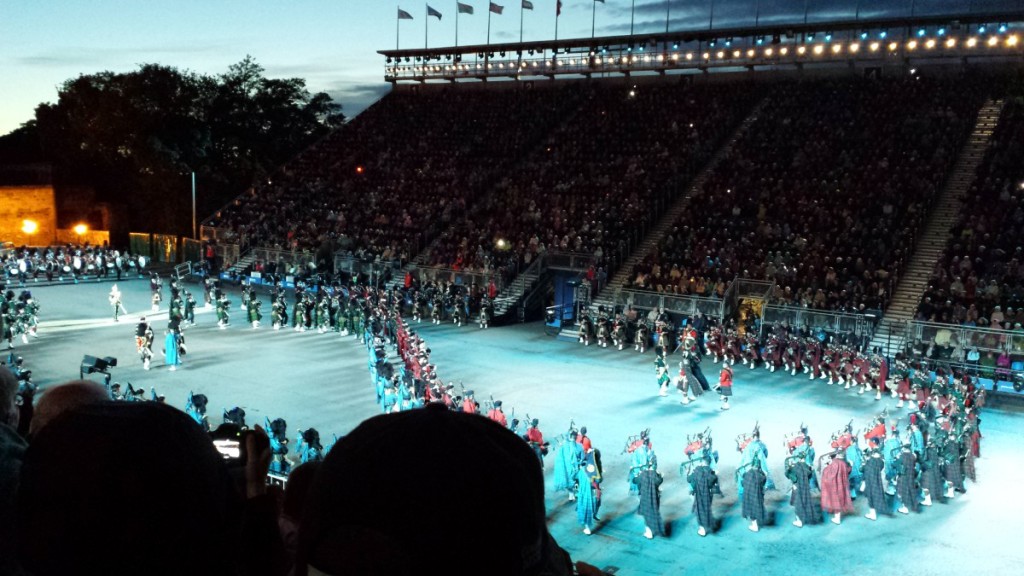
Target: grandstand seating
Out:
[824,194]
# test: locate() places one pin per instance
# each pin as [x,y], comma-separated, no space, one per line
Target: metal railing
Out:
[966,337]
[675,304]
[576,261]
[827,320]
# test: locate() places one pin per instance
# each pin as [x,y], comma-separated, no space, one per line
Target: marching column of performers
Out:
[897,474]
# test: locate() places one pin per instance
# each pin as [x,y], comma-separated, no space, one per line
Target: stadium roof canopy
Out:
[992,35]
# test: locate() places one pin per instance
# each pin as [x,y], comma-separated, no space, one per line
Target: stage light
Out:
[942,31]
[1012,40]
[707,55]
[809,38]
[819,49]
[863,35]
[921,32]
[912,44]
[783,50]
[883,34]
[950,42]
[828,37]
[712,43]
[597,60]
[893,46]
[675,57]
[736,53]
[1002,28]
[837,48]
[675,45]
[661,57]
[29,226]
[767,51]
[972,42]
[993,41]
[720,54]
[855,47]
[982,28]
[800,50]
[750,53]
[930,43]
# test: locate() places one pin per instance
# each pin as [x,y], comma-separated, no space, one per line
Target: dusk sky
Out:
[332,43]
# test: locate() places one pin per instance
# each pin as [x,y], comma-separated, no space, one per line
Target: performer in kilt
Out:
[253,310]
[724,387]
[588,493]
[907,489]
[223,304]
[835,487]
[874,487]
[752,485]
[190,308]
[567,463]
[703,485]
[800,473]
[648,483]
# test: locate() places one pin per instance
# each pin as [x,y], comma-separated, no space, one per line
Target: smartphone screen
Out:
[229,449]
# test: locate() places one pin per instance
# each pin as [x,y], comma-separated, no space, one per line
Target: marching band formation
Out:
[69,262]
[898,464]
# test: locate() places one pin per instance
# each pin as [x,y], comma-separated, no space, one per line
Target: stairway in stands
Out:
[242,266]
[607,296]
[889,333]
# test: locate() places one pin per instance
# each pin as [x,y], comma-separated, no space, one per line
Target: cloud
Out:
[355,98]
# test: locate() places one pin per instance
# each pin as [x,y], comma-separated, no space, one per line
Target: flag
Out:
[432,12]
[601,1]
[464,8]
[558,8]
[527,5]
[496,9]
[403,15]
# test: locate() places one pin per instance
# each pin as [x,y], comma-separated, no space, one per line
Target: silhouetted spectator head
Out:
[68,396]
[126,488]
[8,396]
[428,492]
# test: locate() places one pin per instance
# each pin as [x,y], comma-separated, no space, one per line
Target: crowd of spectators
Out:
[598,180]
[979,280]
[385,184]
[824,194]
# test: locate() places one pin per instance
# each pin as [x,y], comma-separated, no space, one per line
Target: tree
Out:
[136,136]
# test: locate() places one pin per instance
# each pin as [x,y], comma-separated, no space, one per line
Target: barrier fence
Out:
[815,320]
[140,244]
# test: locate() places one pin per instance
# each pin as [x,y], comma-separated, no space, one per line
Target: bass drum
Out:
[67,268]
[142,262]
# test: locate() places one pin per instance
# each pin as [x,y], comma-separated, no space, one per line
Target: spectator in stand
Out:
[981,269]
[12,451]
[363,516]
[806,197]
[138,488]
[63,398]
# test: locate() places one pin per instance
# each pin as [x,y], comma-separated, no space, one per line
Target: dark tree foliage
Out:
[136,137]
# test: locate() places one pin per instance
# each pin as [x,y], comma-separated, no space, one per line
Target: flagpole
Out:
[487,54]
[456,23]
[426,31]
[593,17]
[556,26]
[521,11]
[668,11]
[398,22]
[632,13]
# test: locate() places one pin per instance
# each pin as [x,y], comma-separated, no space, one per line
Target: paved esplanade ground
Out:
[321,380]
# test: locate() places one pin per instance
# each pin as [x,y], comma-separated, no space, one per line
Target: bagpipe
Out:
[567,436]
[699,451]
[876,429]
[743,440]
[636,441]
